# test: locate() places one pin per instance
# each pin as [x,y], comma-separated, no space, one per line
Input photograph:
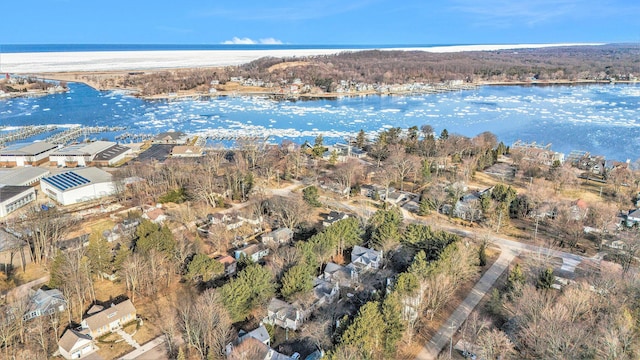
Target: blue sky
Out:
[318,21]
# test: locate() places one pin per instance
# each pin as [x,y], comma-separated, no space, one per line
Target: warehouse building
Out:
[102,153]
[31,154]
[13,198]
[23,176]
[80,185]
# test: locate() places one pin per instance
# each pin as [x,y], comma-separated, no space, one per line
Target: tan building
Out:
[184,151]
[105,320]
[75,345]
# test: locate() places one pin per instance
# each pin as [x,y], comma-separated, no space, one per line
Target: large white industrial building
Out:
[86,154]
[79,185]
[32,154]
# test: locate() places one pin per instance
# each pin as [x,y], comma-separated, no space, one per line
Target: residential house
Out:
[633,217]
[230,264]
[333,217]
[537,153]
[286,315]
[155,214]
[324,292]
[105,320]
[340,275]
[365,258]
[44,302]
[396,197]
[261,334]
[373,191]
[75,345]
[468,207]
[255,252]
[251,348]
[278,237]
[579,209]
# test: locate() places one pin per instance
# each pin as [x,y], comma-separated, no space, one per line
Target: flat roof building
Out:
[32,154]
[22,176]
[80,185]
[87,154]
[13,198]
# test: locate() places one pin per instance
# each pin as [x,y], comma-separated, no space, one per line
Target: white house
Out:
[78,185]
[75,345]
[32,154]
[366,258]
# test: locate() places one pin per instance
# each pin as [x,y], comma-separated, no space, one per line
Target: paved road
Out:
[448,328]
[152,350]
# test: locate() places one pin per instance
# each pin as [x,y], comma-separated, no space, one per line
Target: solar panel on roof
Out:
[66,180]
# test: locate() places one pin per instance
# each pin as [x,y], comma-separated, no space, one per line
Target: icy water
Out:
[602,119]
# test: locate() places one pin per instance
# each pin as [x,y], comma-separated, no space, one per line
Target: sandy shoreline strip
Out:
[32,63]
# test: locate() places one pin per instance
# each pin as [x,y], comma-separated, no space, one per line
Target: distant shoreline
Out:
[72,77]
[48,62]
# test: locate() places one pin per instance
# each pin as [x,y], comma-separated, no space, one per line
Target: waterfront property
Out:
[31,154]
[79,185]
[22,176]
[88,154]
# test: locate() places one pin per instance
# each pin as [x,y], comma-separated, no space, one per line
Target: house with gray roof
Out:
[75,345]
[44,302]
[31,154]
[87,154]
[365,258]
[278,237]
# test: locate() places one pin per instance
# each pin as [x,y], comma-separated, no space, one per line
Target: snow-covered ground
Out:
[144,60]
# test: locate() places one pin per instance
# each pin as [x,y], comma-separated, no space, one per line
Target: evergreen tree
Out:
[333,159]
[545,279]
[298,279]
[204,268]
[444,135]
[361,139]
[366,332]
[424,208]
[99,254]
[318,147]
[515,280]
[394,325]
[153,236]
[252,287]
[482,254]
[310,195]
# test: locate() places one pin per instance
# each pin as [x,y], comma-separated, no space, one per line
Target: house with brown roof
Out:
[230,264]
[105,320]
[75,345]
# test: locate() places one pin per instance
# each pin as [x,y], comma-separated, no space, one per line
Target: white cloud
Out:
[248,41]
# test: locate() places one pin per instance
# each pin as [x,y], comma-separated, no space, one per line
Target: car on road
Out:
[469,355]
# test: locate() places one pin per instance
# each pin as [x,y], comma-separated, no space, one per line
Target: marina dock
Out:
[24,133]
[74,133]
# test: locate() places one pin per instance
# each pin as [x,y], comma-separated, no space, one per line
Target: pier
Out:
[74,133]
[134,137]
[25,132]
